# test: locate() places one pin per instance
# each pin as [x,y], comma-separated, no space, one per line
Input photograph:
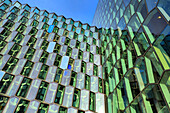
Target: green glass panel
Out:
[10,65]
[85,38]
[73,79]
[31,41]
[57,60]
[3,102]
[65,33]
[55,30]
[44,45]
[27,68]
[18,38]
[91,34]
[57,48]
[14,50]
[82,31]
[44,57]
[5,82]
[33,31]
[43,72]
[58,75]
[87,82]
[8,24]
[29,53]
[4,34]
[83,67]
[76,97]
[67,41]
[22,106]
[80,55]
[88,48]
[106,88]
[35,16]
[60,94]
[77,44]
[45,26]
[79,111]
[21,28]
[24,87]
[23,20]
[91,57]
[95,70]
[45,35]
[2,45]
[92,101]
[69,51]
[100,86]
[62,110]
[42,91]
[43,108]
[12,16]
[35,23]
[75,36]
[55,22]
[94,41]
[64,25]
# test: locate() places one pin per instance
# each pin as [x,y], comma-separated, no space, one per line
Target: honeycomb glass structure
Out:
[53,64]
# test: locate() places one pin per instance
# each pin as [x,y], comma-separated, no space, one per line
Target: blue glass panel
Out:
[164,4]
[50,29]
[122,24]
[1,74]
[151,4]
[126,2]
[69,67]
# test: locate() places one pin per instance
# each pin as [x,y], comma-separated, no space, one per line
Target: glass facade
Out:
[51,64]
[135,54]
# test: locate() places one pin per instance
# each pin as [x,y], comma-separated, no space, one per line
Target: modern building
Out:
[53,64]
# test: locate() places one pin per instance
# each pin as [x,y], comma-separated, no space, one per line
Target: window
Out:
[45,19]
[23,20]
[21,28]
[31,41]
[8,24]
[4,34]
[25,13]
[29,53]
[15,10]
[5,82]
[33,31]
[10,65]
[12,16]
[34,23]
[35,16]
[27,8]
[27,68]
[18,38]
[2,13]
[4,7]
[25,85]
[14,50]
